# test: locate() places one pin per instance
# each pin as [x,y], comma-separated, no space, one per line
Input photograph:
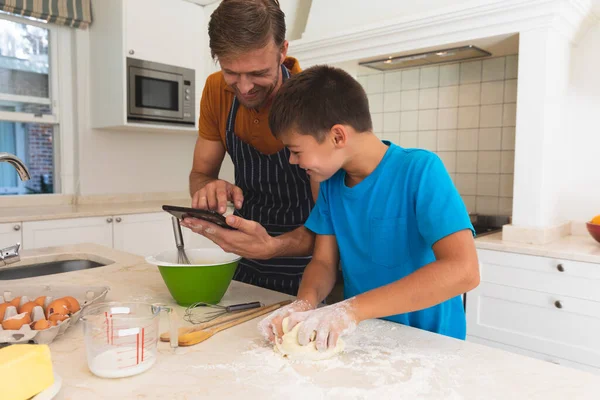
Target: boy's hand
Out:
[270,327]
[329,323]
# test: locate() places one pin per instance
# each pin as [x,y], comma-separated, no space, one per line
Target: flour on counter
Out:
[372,366]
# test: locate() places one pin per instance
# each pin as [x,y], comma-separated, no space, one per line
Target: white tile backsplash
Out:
[391,101]
[392,81]
[430,77]
[409,120]
[493,69]
[428,120]
[466,112]
[448,97]
[467,139]
[410,79]
[470,72]
[428,99]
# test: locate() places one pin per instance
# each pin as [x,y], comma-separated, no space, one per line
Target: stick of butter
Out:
[25,370]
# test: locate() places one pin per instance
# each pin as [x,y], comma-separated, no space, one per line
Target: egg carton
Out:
[26,334]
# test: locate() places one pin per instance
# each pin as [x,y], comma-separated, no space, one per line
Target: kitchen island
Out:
[382,359]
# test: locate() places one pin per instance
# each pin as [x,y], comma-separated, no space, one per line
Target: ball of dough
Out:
[290,348]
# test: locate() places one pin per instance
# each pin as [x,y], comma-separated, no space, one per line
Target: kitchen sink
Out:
[48,268]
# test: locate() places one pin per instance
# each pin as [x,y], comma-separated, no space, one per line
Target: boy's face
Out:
[320,160]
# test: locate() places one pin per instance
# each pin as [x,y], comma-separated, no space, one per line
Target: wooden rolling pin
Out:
[189,336]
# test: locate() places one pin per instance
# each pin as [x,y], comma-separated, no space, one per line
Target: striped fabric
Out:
[73,13]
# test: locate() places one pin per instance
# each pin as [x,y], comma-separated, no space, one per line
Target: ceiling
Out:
[203,2]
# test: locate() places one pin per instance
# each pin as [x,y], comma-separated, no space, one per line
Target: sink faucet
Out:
[9,255]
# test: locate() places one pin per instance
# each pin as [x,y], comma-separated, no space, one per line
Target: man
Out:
[272,198]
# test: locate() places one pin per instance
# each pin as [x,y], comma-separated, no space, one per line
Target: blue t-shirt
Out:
[386,225]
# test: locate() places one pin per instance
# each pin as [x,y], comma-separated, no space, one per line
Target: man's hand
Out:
[215,195]
[250,240]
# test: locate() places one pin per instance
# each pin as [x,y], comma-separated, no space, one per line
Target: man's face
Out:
[320,160]
[255,75]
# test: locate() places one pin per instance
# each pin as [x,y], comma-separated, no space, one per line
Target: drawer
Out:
[544,274]
[533,354]
[533,320]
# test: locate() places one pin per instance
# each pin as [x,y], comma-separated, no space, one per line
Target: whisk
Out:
[206,317]
[182,258]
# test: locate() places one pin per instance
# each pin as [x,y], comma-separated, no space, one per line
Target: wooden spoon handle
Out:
[199,336]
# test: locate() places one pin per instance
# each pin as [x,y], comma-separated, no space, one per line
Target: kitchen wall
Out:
[465,112]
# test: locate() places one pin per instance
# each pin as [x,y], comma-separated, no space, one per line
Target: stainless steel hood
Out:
[430,57]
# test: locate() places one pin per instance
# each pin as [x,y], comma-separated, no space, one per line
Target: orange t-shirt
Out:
[251,126]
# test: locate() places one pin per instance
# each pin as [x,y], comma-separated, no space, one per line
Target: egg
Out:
[43,324]
[40,301]
[3,307]
[27,307]
[57,317]
[15,302]
[15,323]
[58,306]
[73,304]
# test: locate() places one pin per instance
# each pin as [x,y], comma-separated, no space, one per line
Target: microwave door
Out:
[154,94]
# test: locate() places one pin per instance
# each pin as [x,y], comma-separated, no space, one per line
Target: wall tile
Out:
[470,72]
[377,120]
[466,184]
[491,116]
[512,66]
[391,102]
[490,139]
[467,139]
[487,205]
[447,140]
[449,160]
[508,162]
[468,117]
[391,122]
[469,95]
[428,120]
[506,185]
[466,162]
[492,92]
[489,162]
[430,77]
[393,81]
[493,69]
[428,99]
[505,206]
[410,79]
[375,103]
[508,138]
[428,140]
[409,100]
[510,91]
[469,203]
[447,118]
[448,97]
[509,118]
[375,83]
[409,120]
[408,139]
[393,137]
[363,81]
[488,184]
[449,74]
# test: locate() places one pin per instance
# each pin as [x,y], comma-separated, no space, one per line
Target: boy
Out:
[391,215]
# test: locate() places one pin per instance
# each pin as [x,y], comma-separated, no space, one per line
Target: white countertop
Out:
[572,247]
[382,359]
[48,212]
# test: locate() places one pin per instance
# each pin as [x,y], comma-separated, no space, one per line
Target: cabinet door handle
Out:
[558,304]
[118,219]
[560,268]
[17,227]
[109,220]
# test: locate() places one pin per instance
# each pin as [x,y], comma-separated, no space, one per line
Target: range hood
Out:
[430,57]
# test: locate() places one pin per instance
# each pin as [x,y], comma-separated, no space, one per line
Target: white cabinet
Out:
[143,234]
[538,306]
[10,234]
[60,232]
[168,32]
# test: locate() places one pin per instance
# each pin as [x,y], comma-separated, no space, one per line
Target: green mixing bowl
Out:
[205,280]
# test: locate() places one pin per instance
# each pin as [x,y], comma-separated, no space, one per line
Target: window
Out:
[29,122]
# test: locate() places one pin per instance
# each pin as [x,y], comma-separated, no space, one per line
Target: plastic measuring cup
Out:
[121,339]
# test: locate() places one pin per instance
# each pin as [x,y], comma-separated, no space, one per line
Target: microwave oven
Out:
[160,93]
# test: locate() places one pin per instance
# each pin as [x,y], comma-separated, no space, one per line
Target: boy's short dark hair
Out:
[318,98]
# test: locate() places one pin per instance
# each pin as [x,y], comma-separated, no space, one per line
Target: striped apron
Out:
[278,196]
